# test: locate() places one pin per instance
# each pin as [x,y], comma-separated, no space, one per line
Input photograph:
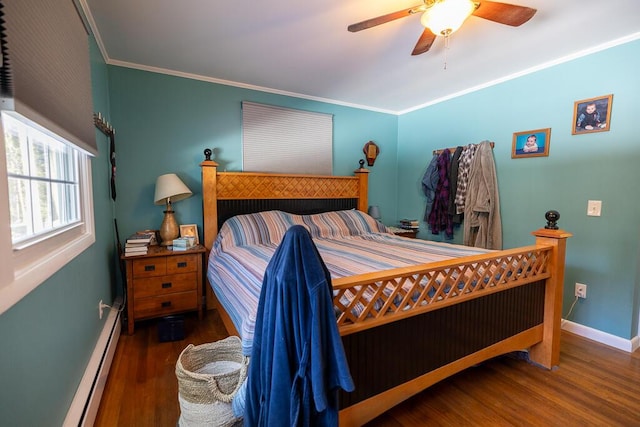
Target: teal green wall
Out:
[164,123]
[47,338]
[600,166]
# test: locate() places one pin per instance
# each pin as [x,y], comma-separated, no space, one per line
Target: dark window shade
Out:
[46,74]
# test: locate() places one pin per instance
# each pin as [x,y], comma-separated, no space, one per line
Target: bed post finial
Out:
[207,154]
[552,218]
[361,162]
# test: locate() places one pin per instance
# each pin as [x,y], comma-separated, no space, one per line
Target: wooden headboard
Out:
[225,194]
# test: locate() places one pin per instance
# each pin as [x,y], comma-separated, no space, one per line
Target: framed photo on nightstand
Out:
[190,230]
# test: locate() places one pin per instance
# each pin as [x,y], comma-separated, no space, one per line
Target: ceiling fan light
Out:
[446,16]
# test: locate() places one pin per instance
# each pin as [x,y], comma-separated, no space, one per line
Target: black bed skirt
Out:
[389,355]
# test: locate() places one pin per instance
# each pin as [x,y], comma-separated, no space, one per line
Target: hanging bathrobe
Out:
[297,360]
[482,222]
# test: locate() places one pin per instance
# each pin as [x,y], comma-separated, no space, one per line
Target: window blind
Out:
[46,74]
[277,139]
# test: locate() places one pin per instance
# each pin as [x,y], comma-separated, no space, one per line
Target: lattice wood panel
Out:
[247,186]
[374,299]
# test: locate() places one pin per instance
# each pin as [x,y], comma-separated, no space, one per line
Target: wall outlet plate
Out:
[581,290]
[594,207]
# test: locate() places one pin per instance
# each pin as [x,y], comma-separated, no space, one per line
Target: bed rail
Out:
[372,299]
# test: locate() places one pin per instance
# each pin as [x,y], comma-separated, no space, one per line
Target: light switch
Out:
[594,207]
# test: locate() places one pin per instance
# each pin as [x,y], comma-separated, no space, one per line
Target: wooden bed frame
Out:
[505,301]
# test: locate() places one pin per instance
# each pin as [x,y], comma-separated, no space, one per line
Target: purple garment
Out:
[439,217]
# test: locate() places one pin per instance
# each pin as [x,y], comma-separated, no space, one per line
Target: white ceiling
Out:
[304,49]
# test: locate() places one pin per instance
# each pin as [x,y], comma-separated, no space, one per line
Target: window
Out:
[48,136]
[50,205]
[43,182]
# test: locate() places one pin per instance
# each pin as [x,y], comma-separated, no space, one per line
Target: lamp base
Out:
[169,228]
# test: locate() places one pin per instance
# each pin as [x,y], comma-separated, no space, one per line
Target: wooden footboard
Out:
[428,322]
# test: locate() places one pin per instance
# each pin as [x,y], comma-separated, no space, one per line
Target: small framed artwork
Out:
[592,115]
[531,143]
[190,230]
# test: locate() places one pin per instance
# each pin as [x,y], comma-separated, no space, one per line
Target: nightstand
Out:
[404,232]
[164,282]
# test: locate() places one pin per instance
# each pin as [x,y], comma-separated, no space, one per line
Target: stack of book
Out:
[138,243]
[409,224]
[183,243]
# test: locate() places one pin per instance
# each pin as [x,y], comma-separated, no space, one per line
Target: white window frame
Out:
[24,269]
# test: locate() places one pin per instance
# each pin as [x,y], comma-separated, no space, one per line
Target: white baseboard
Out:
[602,337]
[84,408]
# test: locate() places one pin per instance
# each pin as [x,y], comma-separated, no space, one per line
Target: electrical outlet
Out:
[594,207]
[581,290]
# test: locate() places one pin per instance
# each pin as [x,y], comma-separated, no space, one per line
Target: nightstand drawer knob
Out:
[149,268]
[166,285]
[166,304]
[182,264]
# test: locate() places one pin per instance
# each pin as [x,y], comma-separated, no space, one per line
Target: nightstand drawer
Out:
[149,267]
[163,285]
[182,263]
[163,305]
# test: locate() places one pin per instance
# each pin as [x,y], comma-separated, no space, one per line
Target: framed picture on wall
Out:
[190,230]
[592,115]
[531,143]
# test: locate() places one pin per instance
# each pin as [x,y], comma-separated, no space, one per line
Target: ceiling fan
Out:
[443,17]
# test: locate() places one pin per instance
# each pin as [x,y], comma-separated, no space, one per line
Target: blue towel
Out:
[297,362]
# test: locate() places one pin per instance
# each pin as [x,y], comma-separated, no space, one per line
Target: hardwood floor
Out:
[595,386]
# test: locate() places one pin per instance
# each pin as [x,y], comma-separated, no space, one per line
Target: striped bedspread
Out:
[350,242]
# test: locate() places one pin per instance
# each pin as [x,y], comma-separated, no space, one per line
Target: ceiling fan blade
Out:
[385,18]
[503,13]
[424,42]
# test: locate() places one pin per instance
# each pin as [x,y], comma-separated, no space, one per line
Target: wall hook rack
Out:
[109,131]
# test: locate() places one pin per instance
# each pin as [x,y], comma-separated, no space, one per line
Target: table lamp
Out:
[169,188]
[374,212]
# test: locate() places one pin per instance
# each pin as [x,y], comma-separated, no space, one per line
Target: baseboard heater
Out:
[84,408]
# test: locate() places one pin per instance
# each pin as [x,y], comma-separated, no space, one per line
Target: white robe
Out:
[482,223]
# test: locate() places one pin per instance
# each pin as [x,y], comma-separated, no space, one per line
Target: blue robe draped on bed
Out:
[297,360]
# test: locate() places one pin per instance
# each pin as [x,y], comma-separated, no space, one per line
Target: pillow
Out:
[262,228]
[340,223]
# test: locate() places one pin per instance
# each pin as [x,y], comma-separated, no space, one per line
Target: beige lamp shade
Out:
[169,188]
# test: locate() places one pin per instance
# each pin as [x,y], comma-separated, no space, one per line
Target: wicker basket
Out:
[209,376]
